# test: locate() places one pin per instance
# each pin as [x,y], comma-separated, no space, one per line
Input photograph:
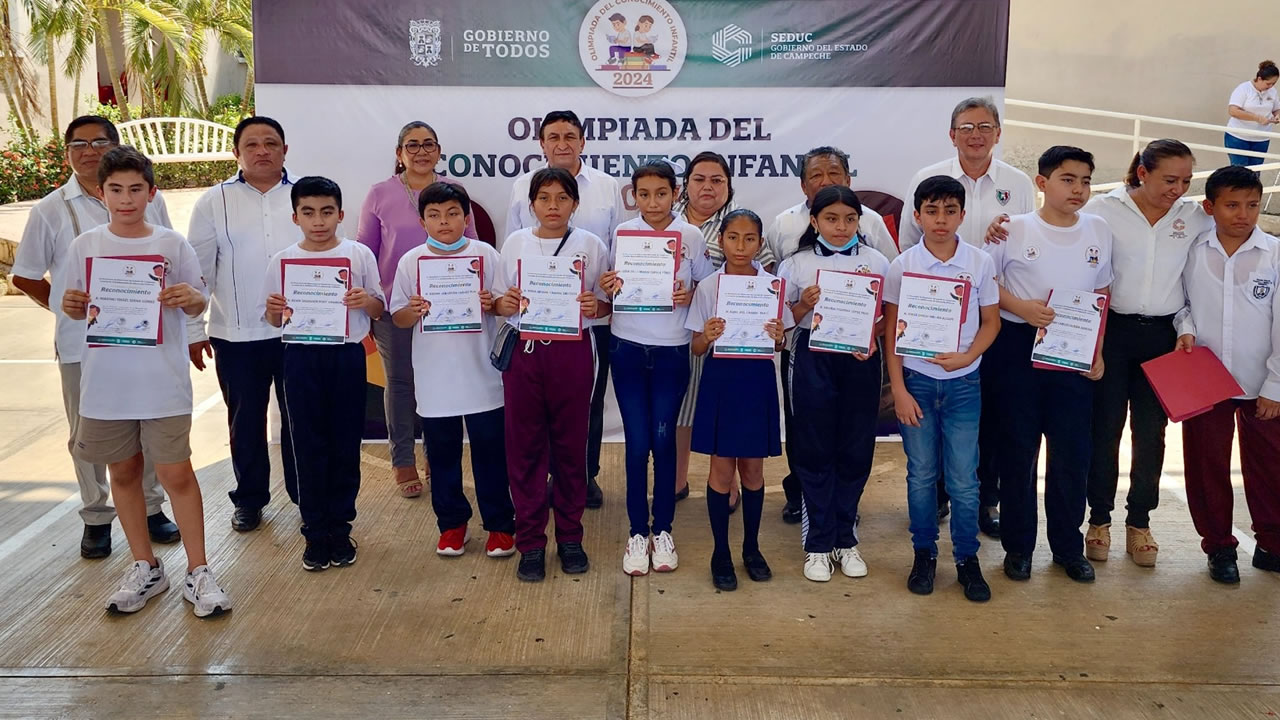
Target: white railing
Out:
[166,140]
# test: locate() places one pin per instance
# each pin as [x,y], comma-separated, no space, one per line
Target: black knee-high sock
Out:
[718,512]
[752,509]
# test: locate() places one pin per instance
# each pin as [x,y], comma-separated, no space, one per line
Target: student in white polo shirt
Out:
[236,228]
[599,211]
[823,167]
[992,188]
[59,217]
[1057,250]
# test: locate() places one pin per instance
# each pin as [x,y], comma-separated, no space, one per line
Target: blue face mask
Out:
[853,242]
[451,247]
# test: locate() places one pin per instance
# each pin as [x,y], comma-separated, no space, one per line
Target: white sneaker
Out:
[202,591]
[665,558]
[141,583]
[817,567]
[636,560]
[851,562]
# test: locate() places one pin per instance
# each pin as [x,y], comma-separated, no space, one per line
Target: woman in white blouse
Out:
[1254,105]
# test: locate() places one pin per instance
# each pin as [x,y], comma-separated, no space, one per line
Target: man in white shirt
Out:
[61,216]
[236,228]
[1233,308]
[600,209]
[992,188]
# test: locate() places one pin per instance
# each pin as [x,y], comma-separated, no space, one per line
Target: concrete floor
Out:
[405,633]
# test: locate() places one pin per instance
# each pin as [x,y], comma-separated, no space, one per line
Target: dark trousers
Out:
[650,382]
[1057,404]
[548,401]
[324,389]
[1123,390]
[791,486]
[442,438]
[595,427]
[246,371]
[835,401]
[1206,450]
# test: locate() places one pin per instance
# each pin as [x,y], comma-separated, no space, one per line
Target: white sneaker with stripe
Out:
[141,583]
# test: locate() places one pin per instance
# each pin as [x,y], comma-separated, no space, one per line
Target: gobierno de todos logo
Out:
[632,48]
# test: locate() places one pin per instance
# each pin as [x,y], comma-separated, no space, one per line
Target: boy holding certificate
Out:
[1046,361]
[833,293]
[1230,281]
[135,389]
[328,287]
[442,290]
[942,301]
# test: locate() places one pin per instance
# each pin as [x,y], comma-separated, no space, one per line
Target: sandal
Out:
[1141,545]
[1097,542]
[410,486]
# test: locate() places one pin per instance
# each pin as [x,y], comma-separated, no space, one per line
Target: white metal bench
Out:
[170,140]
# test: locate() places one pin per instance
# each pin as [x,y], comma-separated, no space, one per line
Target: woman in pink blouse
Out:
[390,227]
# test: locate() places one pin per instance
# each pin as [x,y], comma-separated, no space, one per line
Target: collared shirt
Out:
[665,329]
[581,245]
[1038,257]
[706,298]
[52,224]
[364,274]
[968,263]
[1147,259]
[599,210]
[784,234]
[390,225]
[801,270]
[1003,189]
[1233,308]
[1247,98]
[235,230]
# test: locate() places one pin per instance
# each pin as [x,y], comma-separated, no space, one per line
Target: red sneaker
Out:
[500,544]
[451,541]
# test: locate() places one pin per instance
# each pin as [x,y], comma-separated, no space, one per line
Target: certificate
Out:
[844,319]
[549,290]
[1071,340]
[931,311]
[313,290]
[450,289]
[124,300]
[746,303]
[646,263]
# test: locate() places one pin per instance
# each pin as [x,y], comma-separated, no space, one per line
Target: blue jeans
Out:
[948,432]
[1232,142]
[649,382]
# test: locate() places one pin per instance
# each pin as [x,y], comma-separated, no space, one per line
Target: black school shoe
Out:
[989,521]
[95,543]
[1223,568]
[573,559]
[723,576]
[969,575]
[246,519]
[315,556]
[944,509]
[533,566]
[793,514]
[683,494]
[342,551]
[920,581]
[1266,560]
[1078,567]
[1017,566]
[162,529]
[757,569]
[595,496]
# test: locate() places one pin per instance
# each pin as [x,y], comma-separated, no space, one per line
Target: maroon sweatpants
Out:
[548,401]
[1206,453]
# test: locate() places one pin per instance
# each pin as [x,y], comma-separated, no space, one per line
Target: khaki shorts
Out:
[164,441]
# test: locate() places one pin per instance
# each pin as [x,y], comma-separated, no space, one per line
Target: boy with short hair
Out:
[454,380]
[136,400]
[324,383]
[938,400]
[1233,309]
[1060,250]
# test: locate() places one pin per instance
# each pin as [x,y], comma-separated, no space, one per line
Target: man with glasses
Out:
[236,227]
[55,221]
[992,188]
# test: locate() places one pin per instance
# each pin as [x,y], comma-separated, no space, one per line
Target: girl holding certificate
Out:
[649,355]
[547,388]
[736,421]
[835,393]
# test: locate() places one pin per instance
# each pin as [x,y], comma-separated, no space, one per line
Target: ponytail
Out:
[1267,69]
[1151,155]
[826,197]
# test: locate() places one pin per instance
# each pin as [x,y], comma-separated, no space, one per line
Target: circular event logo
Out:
[632,47]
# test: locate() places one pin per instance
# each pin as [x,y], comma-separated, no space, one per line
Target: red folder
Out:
[1190,383]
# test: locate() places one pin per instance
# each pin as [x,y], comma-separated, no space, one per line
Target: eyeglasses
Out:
[968,128]
[414,147]
[82,145]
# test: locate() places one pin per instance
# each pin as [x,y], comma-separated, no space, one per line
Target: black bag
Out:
[504,343]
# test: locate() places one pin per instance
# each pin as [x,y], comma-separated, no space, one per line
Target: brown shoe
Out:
[1140,545]
[1097,542]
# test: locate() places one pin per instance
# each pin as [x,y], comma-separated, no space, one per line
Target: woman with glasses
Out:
[390,227]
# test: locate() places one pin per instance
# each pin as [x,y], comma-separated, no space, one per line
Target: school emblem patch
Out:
[966,277]
[1261,289]
[424,42]
[863,269]
[1179,229]
[1002,196]
[1093,255]
[1031,253]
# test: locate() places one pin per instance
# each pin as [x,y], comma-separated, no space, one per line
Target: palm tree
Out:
[16,77]
[156,38]
[230,22]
